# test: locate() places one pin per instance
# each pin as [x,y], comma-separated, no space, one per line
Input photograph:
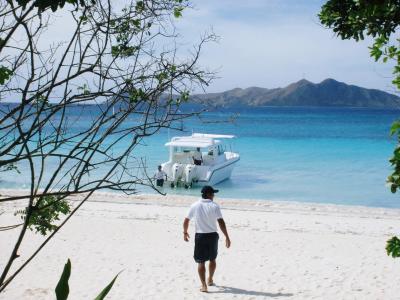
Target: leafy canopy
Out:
[355,19]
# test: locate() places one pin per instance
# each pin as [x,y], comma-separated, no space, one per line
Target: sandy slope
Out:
[279,251]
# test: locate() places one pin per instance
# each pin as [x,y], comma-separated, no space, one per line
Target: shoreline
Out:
[231,203]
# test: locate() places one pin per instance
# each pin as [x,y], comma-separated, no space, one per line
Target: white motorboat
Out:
[215,164]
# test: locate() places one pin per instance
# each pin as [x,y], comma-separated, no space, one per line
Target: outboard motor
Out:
[177,172]
[190,175]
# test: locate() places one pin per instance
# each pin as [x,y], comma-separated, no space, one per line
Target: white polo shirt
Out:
[205,213]
[197,155]
[160,175]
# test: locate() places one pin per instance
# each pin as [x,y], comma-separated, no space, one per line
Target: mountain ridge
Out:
[327,93]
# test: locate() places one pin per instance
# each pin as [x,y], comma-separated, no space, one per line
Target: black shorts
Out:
[205,246]
[160,182]
[197,162]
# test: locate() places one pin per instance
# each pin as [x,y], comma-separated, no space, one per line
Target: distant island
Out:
[328,93]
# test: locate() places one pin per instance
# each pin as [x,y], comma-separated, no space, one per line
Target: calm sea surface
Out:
[325,155]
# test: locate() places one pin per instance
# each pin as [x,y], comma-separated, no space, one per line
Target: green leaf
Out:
[84,89]
[5,74]
[393,247]
[139,7]
[62,288]
[178,12]
[393,188]
[185,96]
[395,127]
[105,291]
[161,76]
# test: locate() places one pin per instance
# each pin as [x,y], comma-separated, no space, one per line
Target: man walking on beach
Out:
[206,214]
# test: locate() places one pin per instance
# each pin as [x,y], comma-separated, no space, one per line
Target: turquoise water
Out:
[325,155]
[303,154]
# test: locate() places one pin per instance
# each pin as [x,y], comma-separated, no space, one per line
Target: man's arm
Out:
[185,230]
[222,226]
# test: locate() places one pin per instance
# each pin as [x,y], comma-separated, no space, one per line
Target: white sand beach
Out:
[279,251]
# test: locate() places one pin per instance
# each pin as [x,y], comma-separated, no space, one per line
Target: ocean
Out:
[323,155]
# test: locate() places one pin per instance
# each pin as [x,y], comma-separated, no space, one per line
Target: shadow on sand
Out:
[232,290]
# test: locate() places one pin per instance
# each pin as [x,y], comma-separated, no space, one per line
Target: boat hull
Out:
[218,174]
[205,175]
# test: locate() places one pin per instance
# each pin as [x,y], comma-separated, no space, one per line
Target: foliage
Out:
[84,89]
[106,290]
[44,213]
[178,12]
[123,28]
[62,288]
[5,74]
[393,247]
[351,19]
[394,178]
[42,5]
[379,19]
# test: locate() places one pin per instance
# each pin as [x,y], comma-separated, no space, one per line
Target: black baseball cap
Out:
[208,189]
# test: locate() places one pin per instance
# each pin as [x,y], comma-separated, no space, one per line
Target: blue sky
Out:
[273,43]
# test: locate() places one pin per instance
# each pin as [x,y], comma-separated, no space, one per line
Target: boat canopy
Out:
[213,136]
[198,140]
[193,142]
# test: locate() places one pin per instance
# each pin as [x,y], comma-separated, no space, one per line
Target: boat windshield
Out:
[183,149]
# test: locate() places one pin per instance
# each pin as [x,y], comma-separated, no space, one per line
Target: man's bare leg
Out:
[211,270]
[202,274]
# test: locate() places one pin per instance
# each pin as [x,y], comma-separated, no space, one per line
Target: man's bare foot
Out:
[204,289]
[210,282]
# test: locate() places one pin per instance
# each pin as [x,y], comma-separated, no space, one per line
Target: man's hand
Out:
[186,236]
[222,226]
[227,242]
[185,230]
